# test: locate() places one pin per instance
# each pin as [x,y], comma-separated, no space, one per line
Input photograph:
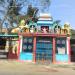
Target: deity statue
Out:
[23,27]
[67,28]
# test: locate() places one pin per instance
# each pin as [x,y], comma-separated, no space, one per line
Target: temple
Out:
[44,41]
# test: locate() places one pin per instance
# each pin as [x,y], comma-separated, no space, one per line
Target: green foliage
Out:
[14,7]
[45,2]
[1,1]
[45,5]
[31,13]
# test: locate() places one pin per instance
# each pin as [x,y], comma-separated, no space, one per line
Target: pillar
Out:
[54,48]
[34,49]
[69,48]
[19,45]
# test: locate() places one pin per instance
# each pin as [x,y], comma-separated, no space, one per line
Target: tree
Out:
[12,11]
[32,13]
[45,4]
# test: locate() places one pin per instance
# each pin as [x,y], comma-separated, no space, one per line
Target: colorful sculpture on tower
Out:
[66,29]
[23,27]
[45,24]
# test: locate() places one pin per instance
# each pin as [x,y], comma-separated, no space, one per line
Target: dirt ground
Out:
[27,68]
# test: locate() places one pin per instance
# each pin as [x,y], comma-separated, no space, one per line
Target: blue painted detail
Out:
[44,49]
[62,58]
[45,22]
[26,56]
[27,49]
[42,45]
[50,20]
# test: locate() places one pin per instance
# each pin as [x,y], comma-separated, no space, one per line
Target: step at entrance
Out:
[3,54]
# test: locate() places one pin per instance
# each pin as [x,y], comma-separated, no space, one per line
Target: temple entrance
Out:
[3,53]
[72,50]
[44,50]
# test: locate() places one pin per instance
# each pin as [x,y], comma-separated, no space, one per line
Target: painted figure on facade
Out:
[57,27]
[32,27]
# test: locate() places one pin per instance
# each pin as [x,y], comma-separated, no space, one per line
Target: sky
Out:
[63,10]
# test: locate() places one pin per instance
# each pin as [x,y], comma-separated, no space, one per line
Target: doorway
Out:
[72,42]
[44,50]
[3,53]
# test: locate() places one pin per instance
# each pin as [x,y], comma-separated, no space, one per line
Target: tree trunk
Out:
[0,27]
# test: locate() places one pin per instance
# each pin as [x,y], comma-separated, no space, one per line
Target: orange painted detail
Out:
[42,34]
[54,50]
[34,49]
[69,49]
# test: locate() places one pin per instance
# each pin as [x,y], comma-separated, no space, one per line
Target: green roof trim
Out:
[8,35]
[32,23]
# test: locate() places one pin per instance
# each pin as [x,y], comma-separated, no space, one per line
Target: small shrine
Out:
[45,23]
[44,41]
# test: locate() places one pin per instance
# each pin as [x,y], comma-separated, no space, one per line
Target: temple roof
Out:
[45,19]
